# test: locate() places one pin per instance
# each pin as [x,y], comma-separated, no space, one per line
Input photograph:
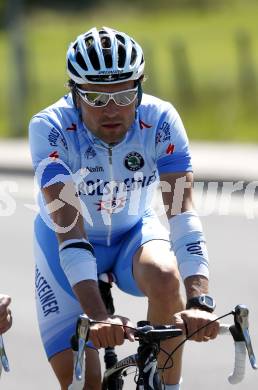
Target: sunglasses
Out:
[101,99]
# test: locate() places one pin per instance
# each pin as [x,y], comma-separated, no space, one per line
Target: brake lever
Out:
[3,357]
[241,314]
[82,331]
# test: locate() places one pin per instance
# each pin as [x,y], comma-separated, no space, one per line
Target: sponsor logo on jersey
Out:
[97,168]
[54,155]
[101,187]
[170,149]
[133,161]
[73,127]
[111,205]
[144,125]
[53,138]
[90,153]
[163,134]
[46,295]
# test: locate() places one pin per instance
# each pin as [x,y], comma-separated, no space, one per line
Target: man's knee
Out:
[156,272]
[163,281]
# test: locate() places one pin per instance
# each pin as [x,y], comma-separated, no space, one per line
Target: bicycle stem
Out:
[147,362]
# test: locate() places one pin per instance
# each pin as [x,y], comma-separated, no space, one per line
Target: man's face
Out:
[111,122]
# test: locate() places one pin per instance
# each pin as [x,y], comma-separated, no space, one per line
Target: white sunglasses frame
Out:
[82,92]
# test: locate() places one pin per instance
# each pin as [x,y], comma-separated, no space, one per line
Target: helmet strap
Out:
[139,92]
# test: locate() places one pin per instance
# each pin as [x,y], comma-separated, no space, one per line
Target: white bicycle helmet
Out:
[104,56]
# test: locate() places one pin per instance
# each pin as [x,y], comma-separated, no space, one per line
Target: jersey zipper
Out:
[110,161]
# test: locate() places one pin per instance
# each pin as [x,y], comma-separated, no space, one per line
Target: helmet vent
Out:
[120,38]
[121,55]
[89,41]
[105,42]
[106,46]
[108,58]
[133,56]
[94,57]
[80,61]
[72,70]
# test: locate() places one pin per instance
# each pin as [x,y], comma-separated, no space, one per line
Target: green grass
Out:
[218,110]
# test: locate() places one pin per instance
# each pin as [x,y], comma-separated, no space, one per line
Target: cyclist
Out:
[99,153]
[5,313]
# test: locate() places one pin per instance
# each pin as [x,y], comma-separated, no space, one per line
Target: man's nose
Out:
[111,107]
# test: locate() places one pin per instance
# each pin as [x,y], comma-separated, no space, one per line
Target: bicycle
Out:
[4,364]
[147,375]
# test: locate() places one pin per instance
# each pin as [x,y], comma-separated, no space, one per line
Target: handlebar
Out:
[146,332]
[242,341]
[152,334]
[239,331]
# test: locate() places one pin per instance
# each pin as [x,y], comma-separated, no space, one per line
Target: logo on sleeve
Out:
[163,133]
[133,161]
[55,138]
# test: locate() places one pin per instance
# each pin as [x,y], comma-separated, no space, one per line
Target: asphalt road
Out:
[232,240]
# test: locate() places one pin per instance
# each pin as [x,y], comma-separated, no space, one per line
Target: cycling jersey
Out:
[115,183]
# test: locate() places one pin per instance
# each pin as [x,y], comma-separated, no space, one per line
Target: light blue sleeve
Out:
[172,146]
[49,152]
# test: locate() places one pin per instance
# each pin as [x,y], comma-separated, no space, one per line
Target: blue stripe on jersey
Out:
[178,162]
[51,171]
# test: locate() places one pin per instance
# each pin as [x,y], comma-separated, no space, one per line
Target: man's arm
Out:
[86,290]
[179,200]
[178,194]
[196,285]
[5,313]
[65,217]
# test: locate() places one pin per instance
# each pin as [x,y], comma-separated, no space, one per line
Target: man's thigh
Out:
[154,263]
[146,234]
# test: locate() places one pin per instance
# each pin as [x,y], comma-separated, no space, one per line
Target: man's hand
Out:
[191,320]
[5,313]
[108,335]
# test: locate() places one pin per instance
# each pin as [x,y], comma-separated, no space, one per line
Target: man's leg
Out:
[62,364]
[156,273]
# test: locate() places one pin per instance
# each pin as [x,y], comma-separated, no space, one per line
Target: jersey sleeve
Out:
[49,152]
[172,146]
